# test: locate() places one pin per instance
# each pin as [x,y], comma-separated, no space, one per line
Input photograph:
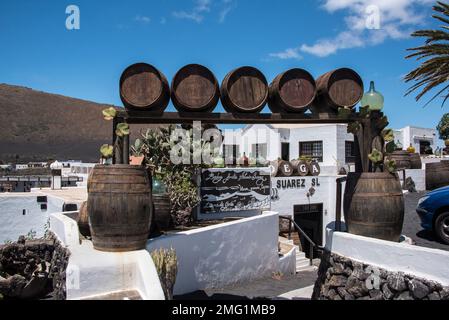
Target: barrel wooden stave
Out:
[437,175]
[120,207]
[402,159]
[244,90]
[415,161]
[339,88]
[143,87]
[374,205]
[292,91]
[83,220]
[162,210]
[194,88]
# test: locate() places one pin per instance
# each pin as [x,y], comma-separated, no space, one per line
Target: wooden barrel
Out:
[143,87]
[315,169]
[340,88]
[161,211]
[83,220]
[300,167]
[437,175]
[415,161]
[274,168]
[374,205]
[244,90]
[195,88]
[292,91]
[120,207]
[402,159]
[286,169]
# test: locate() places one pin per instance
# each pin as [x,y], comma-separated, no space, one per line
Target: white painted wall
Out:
[325,193]
[418,176]
[333,137]
[91,272]
[421,262]
[14,223]
[413,135]
[221,255]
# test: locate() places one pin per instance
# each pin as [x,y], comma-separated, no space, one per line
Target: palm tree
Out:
[434,71]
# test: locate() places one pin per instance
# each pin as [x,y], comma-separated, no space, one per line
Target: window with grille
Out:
[259,150]
[312,149]
[350,151]
[231,153]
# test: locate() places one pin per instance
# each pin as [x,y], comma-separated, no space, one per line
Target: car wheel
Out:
[442,227]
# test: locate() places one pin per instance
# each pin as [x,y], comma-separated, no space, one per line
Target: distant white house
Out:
[420,138]
[329,144]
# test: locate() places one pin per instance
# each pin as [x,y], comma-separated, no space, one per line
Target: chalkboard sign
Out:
[230,190]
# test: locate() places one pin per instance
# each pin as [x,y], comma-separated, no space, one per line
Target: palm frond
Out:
[434,54]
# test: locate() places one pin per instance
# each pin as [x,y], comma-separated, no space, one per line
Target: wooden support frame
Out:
[370,127]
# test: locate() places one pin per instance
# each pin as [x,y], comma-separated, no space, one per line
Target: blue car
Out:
[433,210]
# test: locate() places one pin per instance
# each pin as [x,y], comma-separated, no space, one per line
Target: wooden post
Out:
[114,140]
[125,152]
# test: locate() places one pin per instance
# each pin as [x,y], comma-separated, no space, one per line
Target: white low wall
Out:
[14,223]
[224,254]
[418,176]
[431,264]
[325,192]
[91,272]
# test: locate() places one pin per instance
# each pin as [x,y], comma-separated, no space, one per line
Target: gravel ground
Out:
[412,226]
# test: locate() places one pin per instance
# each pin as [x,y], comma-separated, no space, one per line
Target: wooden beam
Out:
[143,117]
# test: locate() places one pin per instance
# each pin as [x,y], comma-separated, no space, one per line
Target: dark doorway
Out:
[424,147]
[285,151]
[309,217]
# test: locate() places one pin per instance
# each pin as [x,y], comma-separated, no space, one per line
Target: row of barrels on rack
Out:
[195,88]
[281,168]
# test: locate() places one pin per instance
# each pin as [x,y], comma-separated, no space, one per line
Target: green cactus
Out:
[107,151]
[390,165]
[122,130]
[166,264]
[388,135]
[109,113]
[376,156]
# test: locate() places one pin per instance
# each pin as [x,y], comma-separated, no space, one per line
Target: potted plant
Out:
[119,198]
[373,199]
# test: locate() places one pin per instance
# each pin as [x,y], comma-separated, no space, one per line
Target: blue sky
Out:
[38,51]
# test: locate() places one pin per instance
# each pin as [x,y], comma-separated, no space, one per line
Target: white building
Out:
[329,144]
[420,138]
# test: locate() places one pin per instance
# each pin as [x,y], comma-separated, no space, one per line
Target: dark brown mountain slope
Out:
[38,126]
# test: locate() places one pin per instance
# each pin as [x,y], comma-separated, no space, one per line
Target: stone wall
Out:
[33,269]
[340,278]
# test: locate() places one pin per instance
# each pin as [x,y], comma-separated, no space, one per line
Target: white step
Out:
[302,263]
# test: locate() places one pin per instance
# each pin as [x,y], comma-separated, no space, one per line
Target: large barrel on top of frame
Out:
[374,205]
[195,88]
[437,175]
[338,88]
[143,87]
[292,91]
[244,90]
[120,207]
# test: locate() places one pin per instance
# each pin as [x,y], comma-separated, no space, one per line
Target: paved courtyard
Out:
[412,226]
[294,287]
